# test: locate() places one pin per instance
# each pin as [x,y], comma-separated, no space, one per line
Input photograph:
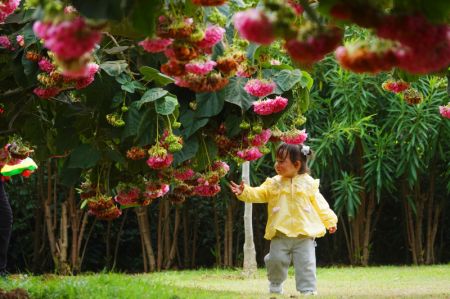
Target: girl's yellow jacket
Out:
[295,206]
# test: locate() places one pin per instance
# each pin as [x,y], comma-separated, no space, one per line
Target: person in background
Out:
[297,214]
[6,220]
[9,167]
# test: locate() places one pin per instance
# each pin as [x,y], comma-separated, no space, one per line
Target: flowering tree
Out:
[161,96]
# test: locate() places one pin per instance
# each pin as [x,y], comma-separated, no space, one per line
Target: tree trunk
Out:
[186,234]
[225,242]
[48,211]
[230,233]
[78,220]
[218,249]
[108,245]
[249,267]
[160,239]
[368,229]
[166,231]
[173,248]
[63,242]
[194,244]
[37,236]
[422,221]
[359,233]
[148,255]
[116,247]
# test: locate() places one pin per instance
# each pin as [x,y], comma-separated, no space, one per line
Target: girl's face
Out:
[286,168]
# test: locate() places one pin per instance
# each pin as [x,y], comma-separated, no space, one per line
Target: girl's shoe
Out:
[276,288]
[308,293]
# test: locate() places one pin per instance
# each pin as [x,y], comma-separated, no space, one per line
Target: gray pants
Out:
[284,250]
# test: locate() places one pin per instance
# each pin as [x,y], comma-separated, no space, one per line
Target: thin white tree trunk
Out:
[249,246]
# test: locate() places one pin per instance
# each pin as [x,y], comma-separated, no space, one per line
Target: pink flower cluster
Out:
[7,7]
[190,64]
[46,93]
[155,190]
[221,168]
[395,86]
[250,154]
[259,88]
[160,161]
[200,68]
[68,39]
[87,71]
[206,188]
[183,174]
[270,106]
[314,47]
[243,73]
[360,58]
[84,82]
[129,197]
[155,45]
[261,138]
[426,46]
[254,25]
[46,65]
[445,110]
[294,137]
[213,35]
[4,42]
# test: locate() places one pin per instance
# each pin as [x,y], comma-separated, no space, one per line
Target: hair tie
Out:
[305,150]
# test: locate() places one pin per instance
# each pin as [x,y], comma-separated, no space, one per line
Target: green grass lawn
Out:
[388,282]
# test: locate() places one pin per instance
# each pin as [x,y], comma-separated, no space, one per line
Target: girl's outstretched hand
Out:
[237,189]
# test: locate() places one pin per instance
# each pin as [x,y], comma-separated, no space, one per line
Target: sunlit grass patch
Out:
[370,282]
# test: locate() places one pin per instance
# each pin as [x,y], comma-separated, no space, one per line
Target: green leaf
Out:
[132,122]
[303,100]
[150,95]
[209,104]
[116,50]
[144,16]
[190,148]
[83,203]
[151,74]
[69,176]
[29,36]
[232,123]
[114,68]
[285,79]
[306,81]
[191,124]
[132,86]
[84,156]
[146,132]
[123,78]
[30,68]
[117,100]
[115,156]
[166,105]
[101,9]
[206,153]
[279,67]
[234,93]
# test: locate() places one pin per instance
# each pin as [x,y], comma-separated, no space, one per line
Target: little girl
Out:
[297,214]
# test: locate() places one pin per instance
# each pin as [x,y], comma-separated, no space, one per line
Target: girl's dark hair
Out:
[296,153]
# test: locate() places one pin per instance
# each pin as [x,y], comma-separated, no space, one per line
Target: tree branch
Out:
[12,92]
